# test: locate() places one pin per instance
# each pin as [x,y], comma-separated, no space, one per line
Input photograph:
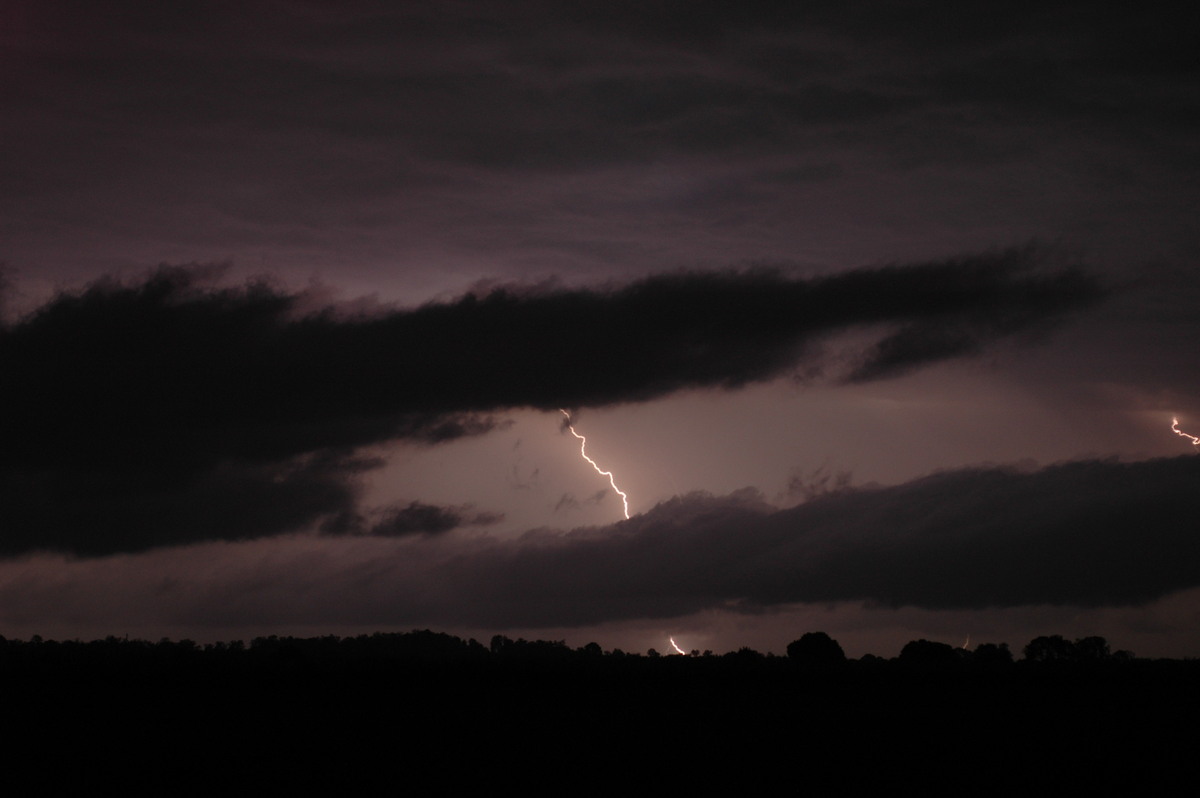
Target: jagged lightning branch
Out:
[1175,426]
[675,646]
[583,451]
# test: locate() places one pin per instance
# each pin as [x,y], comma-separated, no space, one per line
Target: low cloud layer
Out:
[168,412]
[1090,533]
[414,518]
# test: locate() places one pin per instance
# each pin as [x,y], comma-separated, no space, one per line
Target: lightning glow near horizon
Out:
[1175,428]
[675,646]
[602,472]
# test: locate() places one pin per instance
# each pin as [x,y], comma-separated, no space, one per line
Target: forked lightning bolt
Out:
[583,451]
[1175,426]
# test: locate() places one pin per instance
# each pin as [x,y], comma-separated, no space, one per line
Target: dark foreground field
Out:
[431,714]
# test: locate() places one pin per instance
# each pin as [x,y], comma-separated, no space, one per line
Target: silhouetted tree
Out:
[1052,648]
[536,650]
[929,654]
[988,654]
[816,648]
[1092,649]
[745,654]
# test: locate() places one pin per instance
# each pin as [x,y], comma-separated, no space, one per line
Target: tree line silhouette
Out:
[434,709]
[813,649]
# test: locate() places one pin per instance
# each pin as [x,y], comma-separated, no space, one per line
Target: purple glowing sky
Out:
[957,289]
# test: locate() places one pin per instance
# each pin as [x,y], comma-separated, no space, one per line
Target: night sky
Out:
[879,313]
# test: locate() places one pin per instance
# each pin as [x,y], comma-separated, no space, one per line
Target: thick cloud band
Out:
[1087,533]
[167,370]
[129,411]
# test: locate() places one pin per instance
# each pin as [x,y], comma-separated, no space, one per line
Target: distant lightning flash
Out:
[1175,426]
[675,646]
[583,451]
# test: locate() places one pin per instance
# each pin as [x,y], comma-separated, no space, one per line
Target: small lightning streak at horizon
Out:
[675,646]
[583,452]
[1175,428]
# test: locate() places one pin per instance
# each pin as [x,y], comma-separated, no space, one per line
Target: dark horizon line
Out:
[422,643]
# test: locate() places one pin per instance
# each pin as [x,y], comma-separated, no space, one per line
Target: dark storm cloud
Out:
[1088,533]
[168,375]
[534,85]
[411,519]
[97,511]
[180,376]
[159,388]
[529,137]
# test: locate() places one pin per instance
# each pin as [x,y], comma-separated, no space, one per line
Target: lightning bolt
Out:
[1175,427]
[583,452]
[675,646]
